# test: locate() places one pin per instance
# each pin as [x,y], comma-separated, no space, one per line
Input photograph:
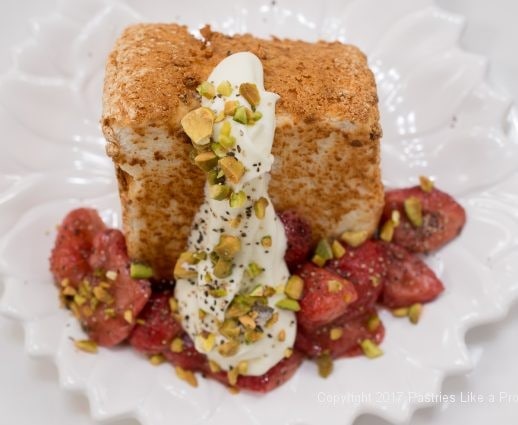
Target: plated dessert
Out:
[256,228]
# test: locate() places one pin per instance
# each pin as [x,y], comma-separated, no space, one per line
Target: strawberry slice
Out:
[69,257]
[189,358]
[158,327]
[342,337]
[408,280]
[442,219]
[97,287]
[326,296]
[365,268]
[298,234]
[274,378]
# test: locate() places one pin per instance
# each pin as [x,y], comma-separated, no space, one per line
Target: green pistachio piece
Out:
[227,247]
[232,168]
[253,270]
[140,271]
[237,199]
[414,211]
[222,269]
[324,250]
[325,365]
[219,192]
[370,349]
[266,241]
[228,142]
[250,92]
[181,269]
[260,207]
[230,107]
[206,90]
[240,115]
[288,304]
[354,239]
[224,88]
[206,160]
[294,287]
[218,149]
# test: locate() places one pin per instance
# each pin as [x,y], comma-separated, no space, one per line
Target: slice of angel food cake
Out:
[256,230]
[326,146]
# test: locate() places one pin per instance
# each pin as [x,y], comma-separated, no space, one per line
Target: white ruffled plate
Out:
[440,119]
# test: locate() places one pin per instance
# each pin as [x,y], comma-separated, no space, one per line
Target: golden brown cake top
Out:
[155,68]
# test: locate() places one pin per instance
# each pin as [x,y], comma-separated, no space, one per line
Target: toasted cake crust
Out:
[326,144]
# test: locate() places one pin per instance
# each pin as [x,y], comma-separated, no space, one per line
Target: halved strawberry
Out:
[73,246]
[298,234]
[159,327]
[342,337]
[442,219]
[408,280]
[365,268]
[97,287]
[326,296]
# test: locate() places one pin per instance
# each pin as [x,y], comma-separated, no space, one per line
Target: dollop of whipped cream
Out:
[234,319]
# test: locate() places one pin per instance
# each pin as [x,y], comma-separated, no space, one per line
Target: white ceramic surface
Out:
[439,118]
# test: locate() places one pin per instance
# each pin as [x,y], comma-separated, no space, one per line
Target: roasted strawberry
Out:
[275,377]
[408,280]
[326,296]
[187,356]
[97,288]
[298,234]
[365,268]
[156,326]
[73,246]
[441,218]
[342,337]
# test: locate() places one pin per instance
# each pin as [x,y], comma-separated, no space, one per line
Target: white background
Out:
[29,391]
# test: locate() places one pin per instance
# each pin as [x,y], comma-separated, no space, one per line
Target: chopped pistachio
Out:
[253,270]
[387,231]
[323,250]
[426,184]
[128,316]
[198,124]
[242,367]
[206,160]
[288,352]
[199,256]
[227,247]
[218,292]
[224,88]
[256,116]
[338,249]
[176,345]
[111,274]
[86,345]
[240,115]
[109,312]
[181,268]
[237,199]
[207,90]
[229,348]
[65,282]
[232,168]
[414,313]
[288,304]
[370,349]
[325,365]
[226,128]
[79,299]
[187,376]
[335,333]
[318,260]
[232,376]
[222,268]
[201,314]
[219,117]
[230,107]
[218,150]
[260,207]
[395,217]
[373,323]
[140,271]
[247,322]
[102,295]
[69,291]
[173,305]
[227,142]
[414,211]
[400,312]
[266,241]
[250,92]
[219,192]
[235,222]
[156,359]
[258,291]
[334,285]
[273,320]
[294,287]
[206,342]
[354,239]
[281,336]
[214,367]
[230,329]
